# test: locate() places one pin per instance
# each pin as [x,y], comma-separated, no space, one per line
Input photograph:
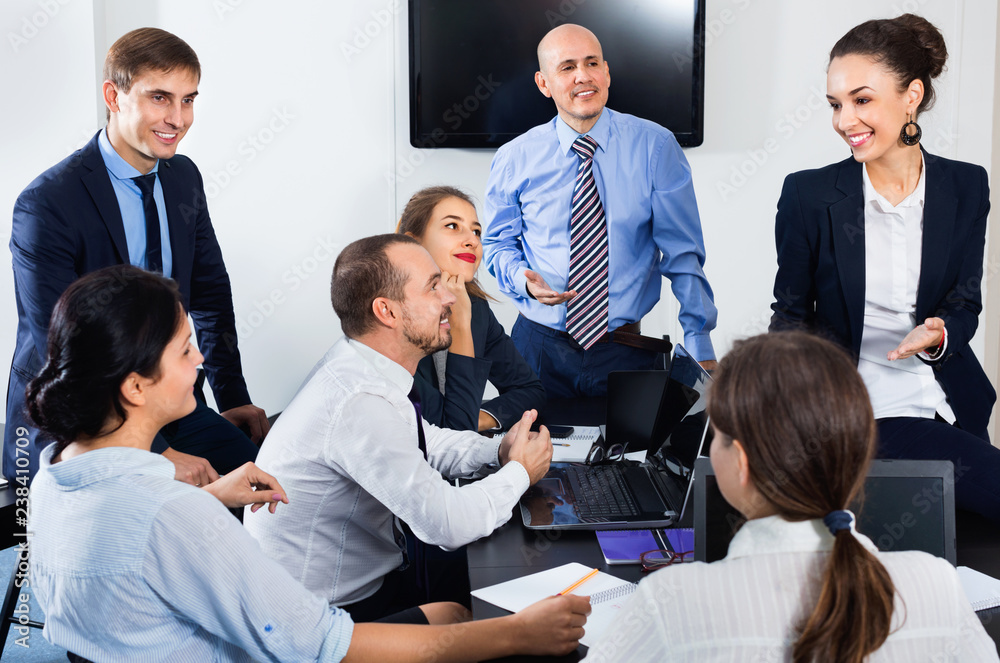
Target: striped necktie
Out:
[587,313]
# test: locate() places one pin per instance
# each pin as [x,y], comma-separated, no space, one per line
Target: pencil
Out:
[561,444]
[578,583]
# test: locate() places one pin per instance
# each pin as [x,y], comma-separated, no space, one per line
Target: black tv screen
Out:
[472,65]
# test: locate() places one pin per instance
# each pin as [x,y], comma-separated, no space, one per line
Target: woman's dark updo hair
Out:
[108,324]
[909,46]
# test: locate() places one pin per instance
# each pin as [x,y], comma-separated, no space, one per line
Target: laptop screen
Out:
[908,505]
[683,420]
[633,409]
[674,424]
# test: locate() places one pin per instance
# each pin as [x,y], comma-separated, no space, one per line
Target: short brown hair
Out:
[417,214]
[147,49]
[362,273]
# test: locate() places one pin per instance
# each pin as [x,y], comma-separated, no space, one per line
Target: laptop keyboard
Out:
[600,492]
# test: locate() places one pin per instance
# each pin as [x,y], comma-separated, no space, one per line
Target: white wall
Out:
[302,136]
[49,83]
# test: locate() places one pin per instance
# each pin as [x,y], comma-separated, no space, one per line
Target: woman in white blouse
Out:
[883,253]
[793,438]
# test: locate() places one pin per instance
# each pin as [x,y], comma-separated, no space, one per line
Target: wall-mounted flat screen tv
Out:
[472,65]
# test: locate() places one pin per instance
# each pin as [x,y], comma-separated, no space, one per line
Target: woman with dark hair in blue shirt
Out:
[129,564]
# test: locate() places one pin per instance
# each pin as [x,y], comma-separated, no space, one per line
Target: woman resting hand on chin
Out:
[131,565]
[883,253]
[793,439]
[451,382]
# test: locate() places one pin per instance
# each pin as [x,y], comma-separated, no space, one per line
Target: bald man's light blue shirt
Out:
[653,225]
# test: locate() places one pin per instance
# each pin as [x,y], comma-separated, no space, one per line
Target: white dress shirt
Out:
[346,451]
[746,606]
[893,242]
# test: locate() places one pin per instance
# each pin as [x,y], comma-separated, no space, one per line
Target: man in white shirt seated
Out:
[355,458]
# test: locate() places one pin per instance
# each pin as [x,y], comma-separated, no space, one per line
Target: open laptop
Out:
[908,505]
[664,414]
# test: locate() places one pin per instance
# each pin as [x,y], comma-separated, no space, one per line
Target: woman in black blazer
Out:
[889,238]
[451,383]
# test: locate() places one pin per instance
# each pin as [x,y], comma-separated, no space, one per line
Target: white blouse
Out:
[893,243]
[746,606]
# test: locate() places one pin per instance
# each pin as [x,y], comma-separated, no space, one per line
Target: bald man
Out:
[642,223]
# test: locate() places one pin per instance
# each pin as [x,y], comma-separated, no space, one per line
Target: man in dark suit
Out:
[126,197]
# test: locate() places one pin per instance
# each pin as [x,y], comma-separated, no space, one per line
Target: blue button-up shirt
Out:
[130,565]
[652,217]
[130,203]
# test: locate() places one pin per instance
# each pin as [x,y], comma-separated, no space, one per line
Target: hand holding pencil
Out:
[578,583]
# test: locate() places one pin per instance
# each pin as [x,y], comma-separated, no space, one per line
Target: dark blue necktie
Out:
[414,397]
[154,255]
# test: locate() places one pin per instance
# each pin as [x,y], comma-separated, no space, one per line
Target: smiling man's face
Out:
[149,121]
[574,75]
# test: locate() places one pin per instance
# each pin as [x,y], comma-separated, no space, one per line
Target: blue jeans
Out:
[566,369]
[977,462]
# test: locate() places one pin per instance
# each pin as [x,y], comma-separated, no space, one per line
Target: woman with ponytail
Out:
[883,253]
[793,438]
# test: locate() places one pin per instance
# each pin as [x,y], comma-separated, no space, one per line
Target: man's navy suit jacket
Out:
[67,223]
[820,285]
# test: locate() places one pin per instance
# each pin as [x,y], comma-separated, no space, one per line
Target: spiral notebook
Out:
[983,591]
[607,594]
[574,449]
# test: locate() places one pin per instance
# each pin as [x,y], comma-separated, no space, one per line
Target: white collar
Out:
[386,367]
[774,534]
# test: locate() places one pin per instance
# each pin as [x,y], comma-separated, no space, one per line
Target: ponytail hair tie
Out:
[838,520]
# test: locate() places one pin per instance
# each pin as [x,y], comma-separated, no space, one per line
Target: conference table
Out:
[514,551]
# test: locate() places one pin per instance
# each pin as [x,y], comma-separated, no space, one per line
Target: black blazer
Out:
[496,360]
[67,223]
[820,284]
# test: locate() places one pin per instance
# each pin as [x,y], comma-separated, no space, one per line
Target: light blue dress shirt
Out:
[130,203]
[653,226]
[130,565]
